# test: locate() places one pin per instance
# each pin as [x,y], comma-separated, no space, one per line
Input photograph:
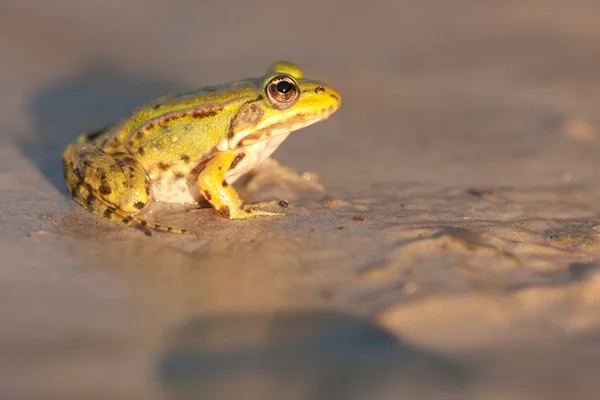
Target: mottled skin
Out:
[194,145]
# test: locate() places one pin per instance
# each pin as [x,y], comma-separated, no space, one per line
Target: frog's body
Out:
[193,146]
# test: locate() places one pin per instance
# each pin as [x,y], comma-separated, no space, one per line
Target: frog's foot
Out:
[250,211]
[272,171]
[115,187]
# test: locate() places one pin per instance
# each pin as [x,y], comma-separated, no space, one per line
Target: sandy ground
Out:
[453,254]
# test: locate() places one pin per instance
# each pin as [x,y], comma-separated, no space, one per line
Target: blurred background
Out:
[462,93]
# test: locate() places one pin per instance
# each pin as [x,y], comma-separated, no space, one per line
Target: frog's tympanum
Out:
[193,146]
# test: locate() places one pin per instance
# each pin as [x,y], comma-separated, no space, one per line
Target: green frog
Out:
[190,147]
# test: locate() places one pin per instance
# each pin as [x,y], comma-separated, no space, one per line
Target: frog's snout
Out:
[335,96]
[324,97]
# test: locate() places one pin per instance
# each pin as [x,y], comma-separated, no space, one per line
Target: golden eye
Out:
[282,92]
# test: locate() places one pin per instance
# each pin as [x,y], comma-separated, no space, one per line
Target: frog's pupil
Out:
[284,87]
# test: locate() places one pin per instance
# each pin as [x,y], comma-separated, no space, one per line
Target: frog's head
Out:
[286,102]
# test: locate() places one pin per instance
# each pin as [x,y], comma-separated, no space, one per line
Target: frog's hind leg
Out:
[115,187]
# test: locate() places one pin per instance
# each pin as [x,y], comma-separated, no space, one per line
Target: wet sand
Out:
[453,253]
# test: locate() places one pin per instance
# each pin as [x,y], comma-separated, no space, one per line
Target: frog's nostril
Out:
[319,89]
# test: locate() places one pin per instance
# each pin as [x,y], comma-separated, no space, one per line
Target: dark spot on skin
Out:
[87,163]
[139,204]
[114,143]
[230,134]
[141,151]
[319,89]
[163,166]
[108,213]
[358,218]
[224,211]
[127,220]
[207,196]
[179,175]
[169,229]
[224,183]
[131,176]
[185,158]
[156,107]
[237,160]
[139,135]
[248,210]
[206,113]
[105,189]
[283,203]
[144,222]
[334,96]
[220,168]
[340,228]
[121,163]
[150,125]
[89,199]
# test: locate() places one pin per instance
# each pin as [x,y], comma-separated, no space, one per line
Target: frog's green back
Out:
[183,126]
[225,96]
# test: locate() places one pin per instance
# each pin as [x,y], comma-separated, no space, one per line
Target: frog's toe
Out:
[267,213]
[248,211]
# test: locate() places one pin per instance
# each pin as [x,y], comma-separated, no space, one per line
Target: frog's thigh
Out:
[222,196]
[102,182]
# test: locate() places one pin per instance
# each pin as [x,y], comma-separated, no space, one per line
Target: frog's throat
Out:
[263,134]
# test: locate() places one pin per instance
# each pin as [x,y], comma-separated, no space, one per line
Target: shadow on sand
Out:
[92,100]
[298,355]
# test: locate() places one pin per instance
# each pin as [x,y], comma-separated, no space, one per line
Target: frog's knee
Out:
[120,184]
[126,186]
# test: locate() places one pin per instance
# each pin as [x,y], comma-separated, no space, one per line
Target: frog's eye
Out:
[282,91]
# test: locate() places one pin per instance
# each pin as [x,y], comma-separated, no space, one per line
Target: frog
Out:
[191,147]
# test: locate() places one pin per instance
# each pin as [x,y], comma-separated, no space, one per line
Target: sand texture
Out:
[453,252]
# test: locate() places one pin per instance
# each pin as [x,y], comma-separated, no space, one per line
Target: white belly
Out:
[181,191]
[255,154]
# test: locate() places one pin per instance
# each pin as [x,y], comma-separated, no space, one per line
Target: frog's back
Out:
[169,137]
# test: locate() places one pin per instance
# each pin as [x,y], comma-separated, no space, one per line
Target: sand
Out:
[452,254]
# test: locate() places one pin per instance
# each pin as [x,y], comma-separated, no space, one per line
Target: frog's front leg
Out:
[222,196]
[114,187]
